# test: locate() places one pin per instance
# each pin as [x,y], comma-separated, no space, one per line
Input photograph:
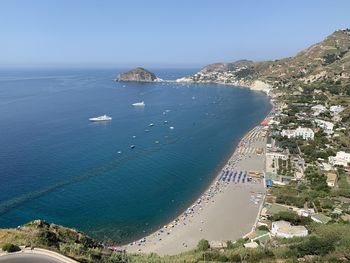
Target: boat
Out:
[151,125]
[101,118]
[165,122]
[132,146]
[139,104]
[171,128]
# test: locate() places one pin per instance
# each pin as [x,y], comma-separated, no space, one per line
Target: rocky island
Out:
[139,75]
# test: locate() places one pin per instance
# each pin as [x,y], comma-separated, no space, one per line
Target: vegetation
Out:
[326,243]
[291,217]
[203,245]
[8,247]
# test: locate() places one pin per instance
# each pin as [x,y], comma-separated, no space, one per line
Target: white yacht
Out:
[139,104]
[101,118]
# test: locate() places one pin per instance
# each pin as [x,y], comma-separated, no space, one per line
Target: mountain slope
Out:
[326,60]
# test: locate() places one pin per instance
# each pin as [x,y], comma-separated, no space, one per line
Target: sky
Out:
[161,33]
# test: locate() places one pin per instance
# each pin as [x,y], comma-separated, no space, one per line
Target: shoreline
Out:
[159,240]
[256,85]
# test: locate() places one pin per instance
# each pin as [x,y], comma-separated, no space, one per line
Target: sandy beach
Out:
[226,211]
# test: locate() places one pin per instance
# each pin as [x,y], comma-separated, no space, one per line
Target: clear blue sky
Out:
[178,33]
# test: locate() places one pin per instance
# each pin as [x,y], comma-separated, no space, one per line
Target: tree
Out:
[8,247]
[317,181]
[203,245]
[230,245]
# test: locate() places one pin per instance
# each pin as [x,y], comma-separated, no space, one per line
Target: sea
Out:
[58,166]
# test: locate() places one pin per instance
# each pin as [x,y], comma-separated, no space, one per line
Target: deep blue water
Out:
[56,165]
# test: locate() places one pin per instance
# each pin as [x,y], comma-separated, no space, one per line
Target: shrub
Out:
[10,248]
[214,255]
[235,257]
[203,245]
[291,217]
[257,255]
[315,246]
[263,228]
[230,245]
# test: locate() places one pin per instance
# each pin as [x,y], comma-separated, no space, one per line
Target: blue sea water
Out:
[58,166]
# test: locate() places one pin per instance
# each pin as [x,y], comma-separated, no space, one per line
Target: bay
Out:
[57,166]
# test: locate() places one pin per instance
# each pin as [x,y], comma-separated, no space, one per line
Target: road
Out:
[28,258]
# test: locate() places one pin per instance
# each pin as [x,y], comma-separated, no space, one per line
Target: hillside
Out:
[327,60]
[327,243]
[67,241]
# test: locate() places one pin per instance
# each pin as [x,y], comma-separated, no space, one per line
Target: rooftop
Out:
[322,218]
[286,227]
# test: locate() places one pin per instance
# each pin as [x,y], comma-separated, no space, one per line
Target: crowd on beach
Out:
[217,187]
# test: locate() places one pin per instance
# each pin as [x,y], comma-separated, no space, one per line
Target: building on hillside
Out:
[305,212]
[342,159]
[305,133]
[325,125]
[336,109]
[277,155]
[285,229]
[326,167]
[318,109]
[331,179]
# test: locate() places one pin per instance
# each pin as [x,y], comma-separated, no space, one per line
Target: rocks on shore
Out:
[139,75]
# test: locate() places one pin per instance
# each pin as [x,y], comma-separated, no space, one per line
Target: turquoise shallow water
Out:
[56,165]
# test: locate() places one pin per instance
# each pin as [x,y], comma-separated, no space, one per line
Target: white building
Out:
[326,125]
[336,109]
[342,159]
[317,109]
[277,155]
[326,167]
[305,212]
[305,133]
[285,229]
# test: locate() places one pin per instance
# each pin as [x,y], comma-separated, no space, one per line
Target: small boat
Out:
[165,122]
[171,128]
[151,125]
[119,152]
[132,146]
[146,130]
[139,104]
[101,118]
[134,137]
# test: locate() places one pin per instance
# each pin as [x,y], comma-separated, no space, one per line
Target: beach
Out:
[226,211]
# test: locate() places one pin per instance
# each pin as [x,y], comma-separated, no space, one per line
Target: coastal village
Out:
[306,151]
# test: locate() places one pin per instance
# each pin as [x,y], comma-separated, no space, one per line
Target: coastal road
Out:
[28,258]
